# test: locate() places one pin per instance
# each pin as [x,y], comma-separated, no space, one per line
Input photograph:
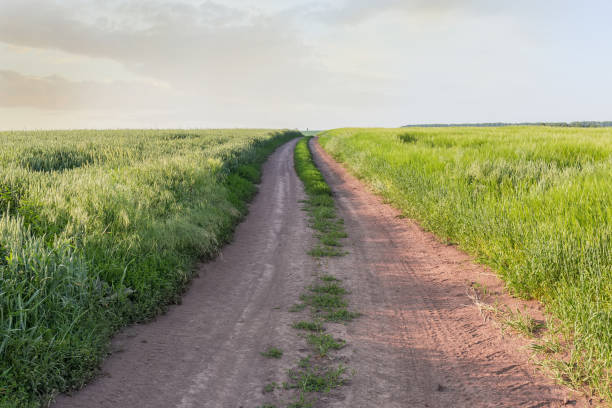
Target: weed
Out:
[340,315]
[315,326]
[313,377]
[325,251]
[301,402]
[298,307]
[481,288]
[324,301]
[330,288]
[272,352]
[270,387]
[304,362]
[548,347]
[316,379]
[522,323]
[324,342]
[320,204]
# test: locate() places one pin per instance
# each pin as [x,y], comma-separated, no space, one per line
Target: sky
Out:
[301,63]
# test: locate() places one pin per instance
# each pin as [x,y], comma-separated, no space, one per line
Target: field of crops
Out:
[102,228]
[535,203]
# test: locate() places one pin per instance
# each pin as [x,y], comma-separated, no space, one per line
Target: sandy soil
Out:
[420,343]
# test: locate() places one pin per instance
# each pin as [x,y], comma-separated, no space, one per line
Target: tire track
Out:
[206,351]
[421,341]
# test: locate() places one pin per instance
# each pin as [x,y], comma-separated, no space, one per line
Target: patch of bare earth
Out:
[422,341]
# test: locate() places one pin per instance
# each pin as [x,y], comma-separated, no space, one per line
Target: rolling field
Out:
[101,228]
[534,203]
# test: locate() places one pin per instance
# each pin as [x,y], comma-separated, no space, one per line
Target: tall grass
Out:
[101,228]
[535,203]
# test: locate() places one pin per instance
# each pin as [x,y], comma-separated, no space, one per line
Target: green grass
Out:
[324,342]
[273,352]
[270,387]
[522,323]
[101,228]
[314,326]
[326,297]
[319,205]
[534,203]
[329,288]
[340,315]
[298,307]
[324,301]
[311,378]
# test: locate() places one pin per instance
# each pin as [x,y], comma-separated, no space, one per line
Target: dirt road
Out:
[206,351]
[420,343]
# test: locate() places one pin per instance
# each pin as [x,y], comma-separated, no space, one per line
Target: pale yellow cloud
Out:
[302,63]
[55,92]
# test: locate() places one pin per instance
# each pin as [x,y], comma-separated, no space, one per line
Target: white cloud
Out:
[55,92]
[303,62]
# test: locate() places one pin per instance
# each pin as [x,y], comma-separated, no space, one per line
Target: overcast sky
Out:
[301,63]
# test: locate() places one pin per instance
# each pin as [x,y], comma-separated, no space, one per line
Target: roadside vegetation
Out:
[534,203]
[320,371]
[319,205]
[99,229]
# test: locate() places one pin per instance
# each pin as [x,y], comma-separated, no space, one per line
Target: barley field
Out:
[101,228]
[533,202]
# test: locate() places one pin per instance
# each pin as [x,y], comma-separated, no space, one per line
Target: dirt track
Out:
[420,343]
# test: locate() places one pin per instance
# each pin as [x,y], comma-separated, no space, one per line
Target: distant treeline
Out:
[559,124]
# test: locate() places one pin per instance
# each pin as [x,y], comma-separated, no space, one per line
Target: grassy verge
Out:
[319,372]
[101,228]
[534,203]
[319,205]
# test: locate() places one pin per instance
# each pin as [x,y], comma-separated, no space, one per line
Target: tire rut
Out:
[421,341]
[206,351]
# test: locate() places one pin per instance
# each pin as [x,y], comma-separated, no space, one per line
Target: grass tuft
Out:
[270,387]
[330,288]
[324,342]
[521,322]
[298,307]
[324,301]
[340,315]
[272,352]
[316,379]
[315,326]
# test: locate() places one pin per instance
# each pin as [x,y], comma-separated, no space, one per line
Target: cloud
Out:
[55,92]
[359,11]
[226,61]
[194,47]
[297,62]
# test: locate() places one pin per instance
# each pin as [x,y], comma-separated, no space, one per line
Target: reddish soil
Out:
[421,341]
